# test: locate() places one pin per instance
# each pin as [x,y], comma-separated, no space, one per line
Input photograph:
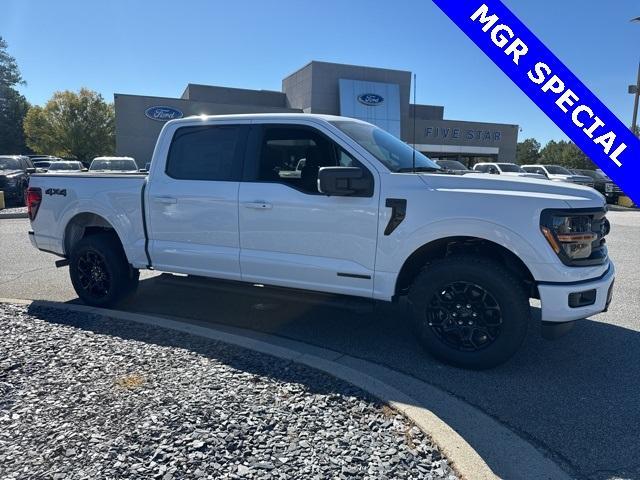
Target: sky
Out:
[156,47]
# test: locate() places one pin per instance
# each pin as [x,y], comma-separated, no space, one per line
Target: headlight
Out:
[608,187]
[577,238]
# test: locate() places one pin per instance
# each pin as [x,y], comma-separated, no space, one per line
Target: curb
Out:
[509,455]
[13,215]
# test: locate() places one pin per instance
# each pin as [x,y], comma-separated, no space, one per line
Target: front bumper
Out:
[554,298]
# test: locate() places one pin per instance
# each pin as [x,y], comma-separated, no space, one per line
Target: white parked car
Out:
[220,201]
[113,165]
[509,169]
[558,173]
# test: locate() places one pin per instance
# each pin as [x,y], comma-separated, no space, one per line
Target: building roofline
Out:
[310,63]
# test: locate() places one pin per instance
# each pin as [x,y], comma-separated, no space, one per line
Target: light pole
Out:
[637,94]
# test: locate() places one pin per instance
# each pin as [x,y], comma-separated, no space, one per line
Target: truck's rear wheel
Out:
[100,273]
[470,312]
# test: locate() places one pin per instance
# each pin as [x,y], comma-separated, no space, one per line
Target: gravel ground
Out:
[83,396]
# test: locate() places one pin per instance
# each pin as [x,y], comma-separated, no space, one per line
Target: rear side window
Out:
[209,152]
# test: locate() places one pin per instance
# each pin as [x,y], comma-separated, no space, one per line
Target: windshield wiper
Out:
[418,169]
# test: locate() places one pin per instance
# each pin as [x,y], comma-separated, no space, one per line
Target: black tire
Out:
[480,332]
[100,273]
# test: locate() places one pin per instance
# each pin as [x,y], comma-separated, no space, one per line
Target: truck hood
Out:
[573,195]
[9,173]
[572,178]
[523,174]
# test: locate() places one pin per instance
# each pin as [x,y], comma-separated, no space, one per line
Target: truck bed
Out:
[114,198]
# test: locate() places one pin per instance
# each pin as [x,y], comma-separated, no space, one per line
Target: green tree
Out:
[566,154]
[9,72]
[78,125]
[13,106]
[528,152]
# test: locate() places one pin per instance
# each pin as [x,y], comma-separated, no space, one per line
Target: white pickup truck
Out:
[336,205]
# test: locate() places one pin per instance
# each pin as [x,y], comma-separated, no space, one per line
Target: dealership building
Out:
[376,95]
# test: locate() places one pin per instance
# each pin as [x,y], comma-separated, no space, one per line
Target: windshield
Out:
[396,155]
[510,167]
[41,164]
[557,170]
[119,164]
[9,164]
[451,165]
[65,166]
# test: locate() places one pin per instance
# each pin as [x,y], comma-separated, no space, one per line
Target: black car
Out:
[602,183]
[14,177]
[453,167]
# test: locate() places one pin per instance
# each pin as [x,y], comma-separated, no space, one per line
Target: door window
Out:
[293,155]
[212,152]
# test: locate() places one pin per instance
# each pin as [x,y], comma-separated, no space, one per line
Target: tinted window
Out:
[212,152]
[8,163]
[557,170]
[510,167]
[481,168]
[293,155]
[120,165]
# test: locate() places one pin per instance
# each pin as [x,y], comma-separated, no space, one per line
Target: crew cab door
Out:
[292,235]
[192,199]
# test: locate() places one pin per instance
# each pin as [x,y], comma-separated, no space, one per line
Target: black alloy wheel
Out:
[93,274]
[469,310]
[465,316]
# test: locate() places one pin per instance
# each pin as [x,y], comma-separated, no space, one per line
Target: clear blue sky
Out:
[156,47]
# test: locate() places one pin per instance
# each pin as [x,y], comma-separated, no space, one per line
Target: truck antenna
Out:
[414,123]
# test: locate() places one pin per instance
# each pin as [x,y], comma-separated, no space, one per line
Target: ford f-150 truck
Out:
[336,205]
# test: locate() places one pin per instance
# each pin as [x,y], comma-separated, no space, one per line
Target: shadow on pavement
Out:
[577,398]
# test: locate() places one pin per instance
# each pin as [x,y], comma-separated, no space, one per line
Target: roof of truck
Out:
[266,116]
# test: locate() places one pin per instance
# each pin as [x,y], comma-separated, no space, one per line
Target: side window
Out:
[481,168]
[293,156]
[208,152]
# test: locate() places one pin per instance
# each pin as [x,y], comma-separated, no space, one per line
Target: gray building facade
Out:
[380,96]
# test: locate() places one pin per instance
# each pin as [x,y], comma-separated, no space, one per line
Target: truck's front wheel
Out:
[470,312]
[100,273]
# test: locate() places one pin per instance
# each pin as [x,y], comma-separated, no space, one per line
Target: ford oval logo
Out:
[370,99]
[162,113]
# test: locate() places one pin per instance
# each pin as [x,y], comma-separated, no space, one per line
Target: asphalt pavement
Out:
[575,398]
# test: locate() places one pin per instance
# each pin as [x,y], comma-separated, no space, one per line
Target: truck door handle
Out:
[258,205]
[167,200]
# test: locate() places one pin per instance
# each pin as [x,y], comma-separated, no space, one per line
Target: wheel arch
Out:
[447,246]
[84,224]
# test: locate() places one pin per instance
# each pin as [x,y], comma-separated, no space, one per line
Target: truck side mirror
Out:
[345,181]
[30,170]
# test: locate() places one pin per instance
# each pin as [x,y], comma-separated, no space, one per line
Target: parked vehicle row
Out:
[14,177]
[590,178]
[367,216]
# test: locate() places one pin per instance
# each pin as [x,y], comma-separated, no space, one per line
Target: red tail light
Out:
[34,197]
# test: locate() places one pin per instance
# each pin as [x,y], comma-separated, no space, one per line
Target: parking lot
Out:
[575,398]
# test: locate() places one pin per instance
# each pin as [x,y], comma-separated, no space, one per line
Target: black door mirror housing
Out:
[30,170]
[345,181]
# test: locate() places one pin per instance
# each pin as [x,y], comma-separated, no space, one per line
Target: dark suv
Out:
[14,177]
[602,183]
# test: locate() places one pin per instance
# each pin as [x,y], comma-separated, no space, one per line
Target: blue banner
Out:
[550,84]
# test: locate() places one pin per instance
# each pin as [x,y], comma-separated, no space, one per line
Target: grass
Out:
[130,382]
